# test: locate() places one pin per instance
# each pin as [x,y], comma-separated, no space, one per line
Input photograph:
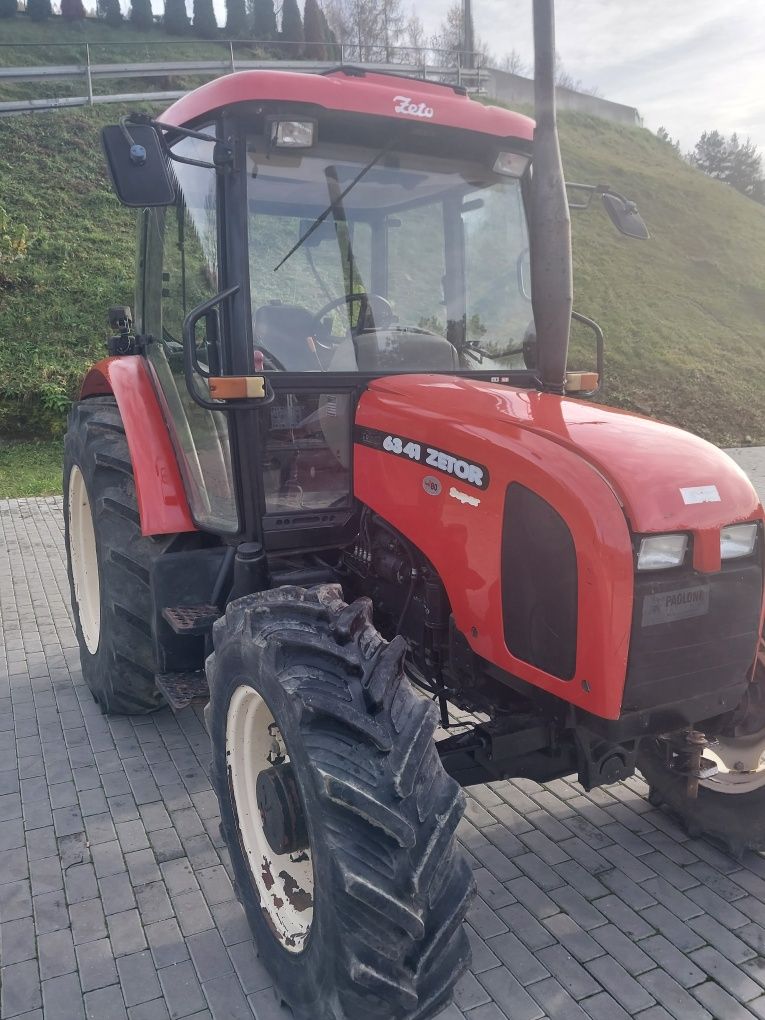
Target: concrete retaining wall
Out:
[514,89]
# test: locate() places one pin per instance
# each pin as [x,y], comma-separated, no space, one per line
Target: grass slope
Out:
[30,469]
[683,313]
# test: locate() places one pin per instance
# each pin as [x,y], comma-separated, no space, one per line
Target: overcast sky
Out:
[690,65]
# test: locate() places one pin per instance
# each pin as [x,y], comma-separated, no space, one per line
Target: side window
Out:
[496,268]
[181,272]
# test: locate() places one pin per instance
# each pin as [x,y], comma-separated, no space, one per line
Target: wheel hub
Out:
[281,810]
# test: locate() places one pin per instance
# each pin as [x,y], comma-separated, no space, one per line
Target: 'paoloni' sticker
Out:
[467,471]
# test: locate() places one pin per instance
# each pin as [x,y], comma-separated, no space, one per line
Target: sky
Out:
[689,65]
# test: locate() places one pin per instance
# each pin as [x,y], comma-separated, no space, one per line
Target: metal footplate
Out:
[191,620]
[184,689]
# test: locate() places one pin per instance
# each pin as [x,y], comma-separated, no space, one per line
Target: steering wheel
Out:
[374,310]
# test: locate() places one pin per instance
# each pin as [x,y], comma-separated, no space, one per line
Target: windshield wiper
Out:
[338,201]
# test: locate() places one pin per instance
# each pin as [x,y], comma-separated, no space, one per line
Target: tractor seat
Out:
[283,330]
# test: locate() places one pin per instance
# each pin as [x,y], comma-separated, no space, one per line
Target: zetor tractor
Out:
[336,477]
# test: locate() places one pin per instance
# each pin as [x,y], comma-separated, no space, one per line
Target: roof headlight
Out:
[511,164]
[662,552]
[293,134]
[737,541]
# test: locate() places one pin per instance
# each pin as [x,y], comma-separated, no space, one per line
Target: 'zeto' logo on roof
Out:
[405,104]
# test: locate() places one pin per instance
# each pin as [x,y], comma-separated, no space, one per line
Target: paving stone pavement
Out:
[115,899]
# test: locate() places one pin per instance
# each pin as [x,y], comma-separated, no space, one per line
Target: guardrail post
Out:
[88,74]
[231,48]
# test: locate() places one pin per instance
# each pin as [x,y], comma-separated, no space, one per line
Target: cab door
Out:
[181,259]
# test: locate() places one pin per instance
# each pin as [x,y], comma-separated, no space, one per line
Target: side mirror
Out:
[137,166]
[625,216]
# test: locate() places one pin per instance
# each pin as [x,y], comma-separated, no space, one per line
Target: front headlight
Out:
[660,552]
[737,540]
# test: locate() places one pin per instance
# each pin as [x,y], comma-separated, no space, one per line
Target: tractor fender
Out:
[162,503]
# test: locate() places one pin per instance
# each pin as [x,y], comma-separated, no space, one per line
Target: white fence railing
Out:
[234,55]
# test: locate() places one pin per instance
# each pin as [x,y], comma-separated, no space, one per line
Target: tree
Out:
[514,63]
[745,166]
[393,26]
[664,136]
[263,20]
[564,80]
[39,10]
[292,30]
[332,49]
[236,18]
[448,44]
[141,14]
[711,155]
[72,10]
[204,21]
[415,33]
[313,28]
[110,11]
[176,20]
[368,29]
[8,8]
[730,161]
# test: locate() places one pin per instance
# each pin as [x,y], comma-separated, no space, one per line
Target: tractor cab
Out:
[324,247]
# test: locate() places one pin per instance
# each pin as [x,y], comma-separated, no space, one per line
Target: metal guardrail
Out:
[462,72]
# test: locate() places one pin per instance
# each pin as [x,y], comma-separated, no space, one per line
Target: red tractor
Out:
[336,478]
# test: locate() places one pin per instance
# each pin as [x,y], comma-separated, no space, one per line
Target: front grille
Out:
[539,583]
[693,636]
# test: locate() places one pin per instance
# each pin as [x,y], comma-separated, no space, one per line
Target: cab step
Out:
[184,689]
[190,621]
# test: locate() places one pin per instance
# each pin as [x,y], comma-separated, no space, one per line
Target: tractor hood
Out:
[665,479]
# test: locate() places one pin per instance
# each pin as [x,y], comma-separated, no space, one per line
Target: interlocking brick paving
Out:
[115,898]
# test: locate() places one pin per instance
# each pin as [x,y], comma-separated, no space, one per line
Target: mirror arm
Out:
[223,155]
[599,347]
[191,367]
[190,363]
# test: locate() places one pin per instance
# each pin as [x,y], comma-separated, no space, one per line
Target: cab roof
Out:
[354,91]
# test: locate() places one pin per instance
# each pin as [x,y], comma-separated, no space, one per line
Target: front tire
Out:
[736,820]
[372,926]
[730,807]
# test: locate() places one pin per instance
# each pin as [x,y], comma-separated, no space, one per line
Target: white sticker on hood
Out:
[700,494]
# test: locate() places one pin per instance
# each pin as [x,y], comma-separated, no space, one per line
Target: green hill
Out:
[684,314]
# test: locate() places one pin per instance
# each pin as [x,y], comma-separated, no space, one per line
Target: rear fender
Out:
[162,503]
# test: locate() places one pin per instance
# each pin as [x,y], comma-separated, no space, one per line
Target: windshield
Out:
[420,265]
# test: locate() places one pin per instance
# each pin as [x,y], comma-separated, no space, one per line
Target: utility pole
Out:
[468,37]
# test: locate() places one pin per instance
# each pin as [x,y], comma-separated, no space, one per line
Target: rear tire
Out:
[108,561]
[386,882]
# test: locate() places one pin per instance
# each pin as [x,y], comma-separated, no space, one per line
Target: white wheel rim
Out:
[82,551]
[285,882]
[741,764]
